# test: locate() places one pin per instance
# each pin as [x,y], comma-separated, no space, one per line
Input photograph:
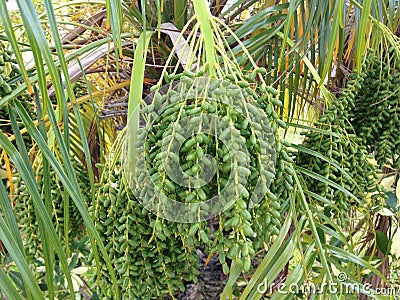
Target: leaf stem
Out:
[204,16]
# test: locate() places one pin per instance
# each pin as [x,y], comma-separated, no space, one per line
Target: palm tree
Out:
[103,69]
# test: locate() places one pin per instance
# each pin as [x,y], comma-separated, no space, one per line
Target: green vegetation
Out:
[181,150]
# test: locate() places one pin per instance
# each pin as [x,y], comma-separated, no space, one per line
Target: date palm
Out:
[119,51]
